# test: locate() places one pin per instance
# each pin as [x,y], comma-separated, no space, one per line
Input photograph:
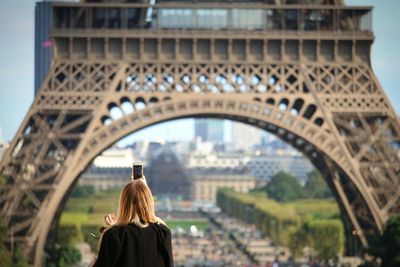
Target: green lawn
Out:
[200,224]
[315,208]
[77,218]
[96,219]
[91,211]
[301,208]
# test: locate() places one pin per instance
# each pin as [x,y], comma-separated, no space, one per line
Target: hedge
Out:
[290,223]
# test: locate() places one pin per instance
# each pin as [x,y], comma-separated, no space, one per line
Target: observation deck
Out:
[211,30]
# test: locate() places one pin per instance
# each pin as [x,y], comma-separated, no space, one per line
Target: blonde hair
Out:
[136,205]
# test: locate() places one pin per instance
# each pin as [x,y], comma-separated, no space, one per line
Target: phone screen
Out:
[137,171]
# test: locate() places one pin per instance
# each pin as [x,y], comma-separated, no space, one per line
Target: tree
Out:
[327,237]
[298,240]
[5,258]
[387,246]
[66,256]
[83,191]
[18,259]
[316,186]
[3,180]
[283,187]
[68,234]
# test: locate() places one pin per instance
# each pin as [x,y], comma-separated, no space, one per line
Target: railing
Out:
[265,18]
[309,19]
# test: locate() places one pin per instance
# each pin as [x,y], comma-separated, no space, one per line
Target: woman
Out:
[135,237]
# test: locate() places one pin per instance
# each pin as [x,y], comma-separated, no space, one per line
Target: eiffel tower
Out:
[298,69]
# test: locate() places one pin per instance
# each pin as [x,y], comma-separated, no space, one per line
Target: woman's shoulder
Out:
[115,229]
[162,227]
[120,230]
[113,234]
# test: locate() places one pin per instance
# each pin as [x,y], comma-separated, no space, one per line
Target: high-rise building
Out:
[211,130]
[43,54]
[200,129]
[244,136]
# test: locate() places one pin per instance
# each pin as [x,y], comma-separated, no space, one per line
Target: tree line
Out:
[284,187]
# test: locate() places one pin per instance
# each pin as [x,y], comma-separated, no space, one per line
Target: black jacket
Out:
[133,246]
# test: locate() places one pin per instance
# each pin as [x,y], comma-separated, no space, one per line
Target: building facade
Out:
[263,167]
[206,183]
[113,168]
[211,130]
[115,158]
[214,160]
[245,137]
[105,178]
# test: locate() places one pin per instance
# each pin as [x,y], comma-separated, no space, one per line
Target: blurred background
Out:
[203,172]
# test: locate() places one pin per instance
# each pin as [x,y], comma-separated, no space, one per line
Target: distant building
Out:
[182,148]
[200,129]
[43,50]
[143,150]
[203,147]
[167,176]
[211,130]
[276,144]
[169,167]
[206,182]
[115,158]
[111,169]
[263,167]
[245,137]
[214,160]
[104,178]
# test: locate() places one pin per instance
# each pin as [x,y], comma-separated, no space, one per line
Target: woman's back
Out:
[135,246]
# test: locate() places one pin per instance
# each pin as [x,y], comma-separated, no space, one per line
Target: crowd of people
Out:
[227,242]
[261,250]
[211,247]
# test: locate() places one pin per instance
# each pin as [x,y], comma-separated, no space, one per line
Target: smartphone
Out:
[137,170]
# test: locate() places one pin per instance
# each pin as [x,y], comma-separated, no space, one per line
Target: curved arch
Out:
[95,129]
[314,141]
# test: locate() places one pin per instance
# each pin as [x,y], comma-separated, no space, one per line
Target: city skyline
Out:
[17,67]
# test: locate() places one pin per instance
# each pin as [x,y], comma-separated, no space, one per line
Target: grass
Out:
[318,209]
[261,202]
[96,219]
[98,204]
[77,218]
[200,224]
[90,210]
[303,208]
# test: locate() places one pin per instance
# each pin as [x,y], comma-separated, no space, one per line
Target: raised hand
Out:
[110,219]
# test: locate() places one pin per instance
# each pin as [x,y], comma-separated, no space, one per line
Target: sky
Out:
[17,66]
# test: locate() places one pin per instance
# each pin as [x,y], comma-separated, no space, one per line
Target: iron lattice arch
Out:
[316,91]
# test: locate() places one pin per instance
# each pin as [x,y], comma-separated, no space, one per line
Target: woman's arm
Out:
[109,249]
